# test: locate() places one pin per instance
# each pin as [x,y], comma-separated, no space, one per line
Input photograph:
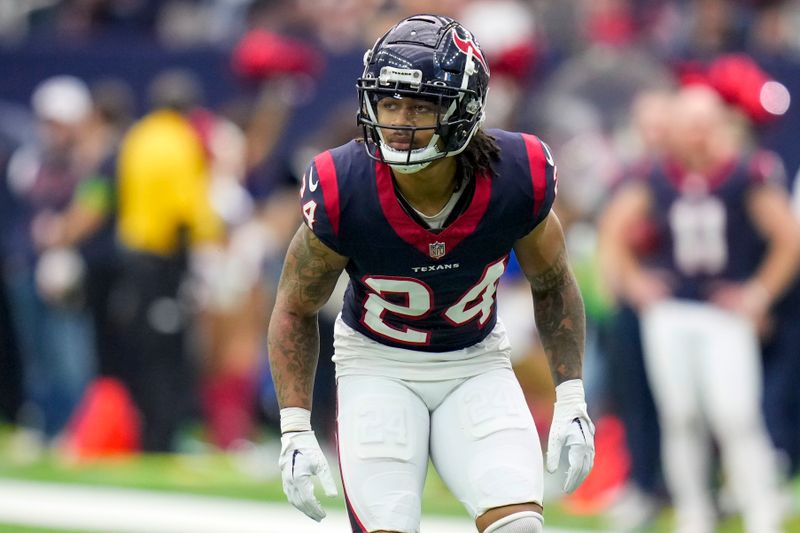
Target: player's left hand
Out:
[301,459]
[571,427]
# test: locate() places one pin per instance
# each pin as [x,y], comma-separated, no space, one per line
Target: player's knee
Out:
[735,424]
[522,522]
[682,421]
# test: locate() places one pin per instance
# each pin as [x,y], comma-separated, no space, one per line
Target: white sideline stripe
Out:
[115,510]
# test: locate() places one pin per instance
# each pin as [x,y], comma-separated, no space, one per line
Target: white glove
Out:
[572,428]
[301,458]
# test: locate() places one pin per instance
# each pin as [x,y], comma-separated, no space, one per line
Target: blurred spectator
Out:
[772,31]
[726,248]
[17,127]
[715,26]
[650,114]
[75,21]
[263,55]
[14,18]
[46,279]
[582,107]
[608,22]
[283,119]
[702,29]
[507,33]
[231,300]
[87,222]
[10,374]
[165,215]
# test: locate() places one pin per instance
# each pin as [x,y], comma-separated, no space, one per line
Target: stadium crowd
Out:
[150,157]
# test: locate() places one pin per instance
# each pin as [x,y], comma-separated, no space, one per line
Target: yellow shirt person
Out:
[164,186]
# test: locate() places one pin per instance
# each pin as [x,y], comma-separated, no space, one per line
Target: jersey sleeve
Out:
[319,200]
[543,176]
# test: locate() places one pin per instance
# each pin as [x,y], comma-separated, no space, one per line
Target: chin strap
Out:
[409,169]
[402,162]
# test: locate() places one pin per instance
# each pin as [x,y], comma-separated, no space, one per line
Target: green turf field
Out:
[226,475]
[22,529]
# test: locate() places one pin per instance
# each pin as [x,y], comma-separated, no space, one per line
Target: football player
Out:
[725,248]
[422,213]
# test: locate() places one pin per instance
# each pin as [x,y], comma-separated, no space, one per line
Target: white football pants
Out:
[477,431]
[704,367]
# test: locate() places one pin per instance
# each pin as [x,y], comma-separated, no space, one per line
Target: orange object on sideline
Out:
[105,424]
[610,471]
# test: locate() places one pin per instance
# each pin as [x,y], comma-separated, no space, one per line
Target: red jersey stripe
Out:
[330,187]
[537,161]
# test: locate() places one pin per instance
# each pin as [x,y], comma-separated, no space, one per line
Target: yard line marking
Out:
[118,510]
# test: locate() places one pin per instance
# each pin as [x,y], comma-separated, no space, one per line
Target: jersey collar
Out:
[433,245]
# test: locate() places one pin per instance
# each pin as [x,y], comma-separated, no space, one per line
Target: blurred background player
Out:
[726,248]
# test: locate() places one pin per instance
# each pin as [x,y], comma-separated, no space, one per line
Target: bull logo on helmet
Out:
[464,45]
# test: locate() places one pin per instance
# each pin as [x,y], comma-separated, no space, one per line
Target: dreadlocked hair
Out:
[479,155]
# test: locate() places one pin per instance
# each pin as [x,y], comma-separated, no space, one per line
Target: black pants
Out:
[103,281]
[162,377]
[782,388]
[10,366]
[632,399]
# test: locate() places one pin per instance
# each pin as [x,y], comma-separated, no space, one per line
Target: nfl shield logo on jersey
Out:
[436,250]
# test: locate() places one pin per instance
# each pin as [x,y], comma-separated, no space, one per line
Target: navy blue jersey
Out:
[411,287]
[704,234]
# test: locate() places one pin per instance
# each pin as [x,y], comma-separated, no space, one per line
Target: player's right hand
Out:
[301,459]
[572,429]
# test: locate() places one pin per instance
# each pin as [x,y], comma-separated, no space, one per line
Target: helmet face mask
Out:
[427,58]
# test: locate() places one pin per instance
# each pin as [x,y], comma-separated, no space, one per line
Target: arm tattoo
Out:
[560,319]
[308,278]
[308,273]
[293,354]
